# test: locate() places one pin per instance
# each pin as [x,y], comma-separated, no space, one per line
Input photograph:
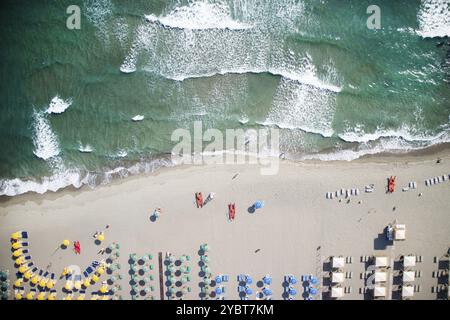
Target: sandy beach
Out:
[295,232]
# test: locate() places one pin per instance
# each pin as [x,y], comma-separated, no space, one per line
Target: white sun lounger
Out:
[444,178]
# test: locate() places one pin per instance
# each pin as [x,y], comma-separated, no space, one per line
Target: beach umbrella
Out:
[313,280]
[30,295]
[27,275]
[258,204]
[35,280]
[292,291]
[248,291]
[313,290]
[17,253]
[133,257]
[77,285]
[218,291]
[105,298]
[101,270]
[81,297]
[52,296]
[18,282]
[23,269]
[94,297]
[41,296]
[87,282]
[43,283]
[183,258]
[207,281]
[267,280]
[18,296]
[292,280]
[15,235]
[218,279]
[171,268]
[205,247]
[184,291]
[66,243]
[205,269]
[50,284]
[16,245]
[267,292]
[68,297]
[104,288]
[68,286]
[205,259]
[184,280]
[171,258]
[249,280]
[95,278]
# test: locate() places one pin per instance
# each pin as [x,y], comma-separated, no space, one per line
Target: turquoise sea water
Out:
[336,89]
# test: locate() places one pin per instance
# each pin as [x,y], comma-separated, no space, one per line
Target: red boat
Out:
[391,184]
[231,211]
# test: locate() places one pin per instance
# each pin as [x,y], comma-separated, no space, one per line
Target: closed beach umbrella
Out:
[258,204]
[313,290]
[66,243]
[218,279]
[248,291]
[218,291]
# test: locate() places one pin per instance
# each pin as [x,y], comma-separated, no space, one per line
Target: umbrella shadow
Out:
[251,209]
[153,218]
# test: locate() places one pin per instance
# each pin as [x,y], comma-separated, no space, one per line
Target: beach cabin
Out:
[381,262]
[337,262]
[409,276]
[407,291]
[409,261]
[380,276]
[379,292]
[337,277]
[337,292]
[396,232]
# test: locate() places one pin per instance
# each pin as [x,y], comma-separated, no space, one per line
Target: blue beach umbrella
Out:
[267,292]
[267,280]
[218,279]
[313,290]
[292,280]
[313,280]
[249,280]
[218,290]
[248,291]
[292,292]
[258,204]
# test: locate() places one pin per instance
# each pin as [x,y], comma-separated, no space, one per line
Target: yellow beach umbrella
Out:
[30,295]
[95,278]
[104,289]
[41,296]
[101,270]
[68,297]
[17,245]
[101,237]
[15,235]
[35,279]
[20,260]
[23,269]
[18,296]
[81,297]
[94,297]
[65,272]
[105,298]
[43,282]
[52,296]
[87,282]
[50,284]
[18,283]
[68,286]
[66,243]
[77,285]
[27,275]
[17,253]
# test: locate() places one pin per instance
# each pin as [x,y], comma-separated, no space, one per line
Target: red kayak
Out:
[391,184]
[231,211]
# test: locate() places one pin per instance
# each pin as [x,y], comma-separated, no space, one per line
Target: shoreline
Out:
[415,156]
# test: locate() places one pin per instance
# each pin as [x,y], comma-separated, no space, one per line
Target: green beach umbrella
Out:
[151,267]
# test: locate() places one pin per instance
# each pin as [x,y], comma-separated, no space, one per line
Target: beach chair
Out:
[225,278]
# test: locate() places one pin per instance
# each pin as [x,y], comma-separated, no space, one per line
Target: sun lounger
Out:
[225,278]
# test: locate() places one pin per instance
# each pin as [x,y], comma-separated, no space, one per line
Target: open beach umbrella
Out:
[30,295]
[17,253]
[218,279]
[95,278]
[184,291]
[35,280]
[50,284]
[18,283]
[313,290]
[267,280]
[313,280]
[23,269]
[104,288]
[15,235]
[17,245]
[66,243]
[18,296]
[68,286]
[292,280]
[52,296]
[249,280]
[41,296]
[27,275]
[218,291]
[248,291]
[43,282]
[81,297]
[258,204]
[207,281]
[205,247]
[292,291]
[267,292]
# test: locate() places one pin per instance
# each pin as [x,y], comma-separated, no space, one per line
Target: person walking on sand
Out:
[157,213]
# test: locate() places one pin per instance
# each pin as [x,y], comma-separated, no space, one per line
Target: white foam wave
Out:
[76,178]
[138,118]
[85,149]
[434,18]
[58,105]
[98,12]
[199,15]
[45,141]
